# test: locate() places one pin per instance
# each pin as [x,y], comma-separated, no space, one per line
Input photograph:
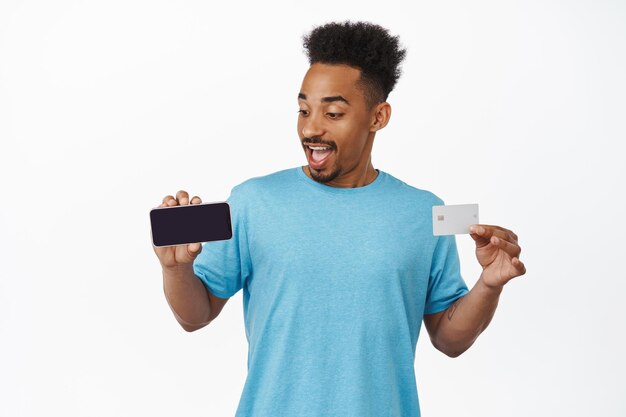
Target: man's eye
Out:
[303,112]
[334,115]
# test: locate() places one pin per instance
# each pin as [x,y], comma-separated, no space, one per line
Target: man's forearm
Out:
[187,297]
[466,319]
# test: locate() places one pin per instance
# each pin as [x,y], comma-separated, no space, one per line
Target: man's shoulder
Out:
[265,182]
[412,192]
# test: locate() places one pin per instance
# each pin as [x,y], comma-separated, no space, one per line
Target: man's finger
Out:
[480,240]
[519,265]
[183,197]
[487,231]
[512,249]
[501,232]
[196,200]
[481,234]
[167,199]
[193,249]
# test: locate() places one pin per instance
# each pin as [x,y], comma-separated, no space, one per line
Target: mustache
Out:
[318,141]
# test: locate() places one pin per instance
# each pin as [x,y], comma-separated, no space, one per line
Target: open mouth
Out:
[317,154]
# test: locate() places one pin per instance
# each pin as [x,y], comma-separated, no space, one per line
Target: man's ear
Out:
[380,116]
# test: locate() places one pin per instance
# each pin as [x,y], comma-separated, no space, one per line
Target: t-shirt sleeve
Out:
[445,284]
[223,266]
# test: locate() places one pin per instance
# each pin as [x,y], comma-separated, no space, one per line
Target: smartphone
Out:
[180,225]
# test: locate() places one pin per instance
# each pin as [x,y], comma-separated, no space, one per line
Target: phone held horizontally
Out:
[180,225]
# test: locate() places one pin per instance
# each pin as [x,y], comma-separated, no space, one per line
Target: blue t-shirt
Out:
[335,283]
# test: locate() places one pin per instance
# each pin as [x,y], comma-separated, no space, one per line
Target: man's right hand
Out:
[172,257]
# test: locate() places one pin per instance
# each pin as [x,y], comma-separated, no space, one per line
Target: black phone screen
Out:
[190,224]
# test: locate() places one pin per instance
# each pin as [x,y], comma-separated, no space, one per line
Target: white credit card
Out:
[454,219]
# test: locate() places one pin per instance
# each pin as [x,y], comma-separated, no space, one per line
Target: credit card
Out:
[454,219]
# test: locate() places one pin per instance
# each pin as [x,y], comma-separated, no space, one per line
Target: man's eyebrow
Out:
[330,99]
[334,98]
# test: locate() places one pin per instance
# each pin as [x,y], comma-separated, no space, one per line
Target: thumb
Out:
[475,234]
[194,249]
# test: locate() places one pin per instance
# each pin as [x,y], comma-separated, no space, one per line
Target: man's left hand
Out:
[498,253]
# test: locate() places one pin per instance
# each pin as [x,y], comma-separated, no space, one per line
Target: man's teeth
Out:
[319,148]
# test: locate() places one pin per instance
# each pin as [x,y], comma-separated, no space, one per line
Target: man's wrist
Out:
[491,289]
[178,270]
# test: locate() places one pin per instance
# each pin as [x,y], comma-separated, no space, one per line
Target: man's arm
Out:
[192,304]
[454,330]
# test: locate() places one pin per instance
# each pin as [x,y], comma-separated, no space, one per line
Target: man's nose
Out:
[312,127]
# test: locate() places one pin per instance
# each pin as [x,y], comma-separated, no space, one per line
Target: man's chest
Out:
[336,246]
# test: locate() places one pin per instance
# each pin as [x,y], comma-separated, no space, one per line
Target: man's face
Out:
[334,120]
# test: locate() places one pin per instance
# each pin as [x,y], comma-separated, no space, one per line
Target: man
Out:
[337,260]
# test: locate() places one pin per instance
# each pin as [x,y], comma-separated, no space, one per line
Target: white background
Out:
[106,107]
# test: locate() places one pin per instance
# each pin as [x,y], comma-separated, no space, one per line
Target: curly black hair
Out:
[362,45]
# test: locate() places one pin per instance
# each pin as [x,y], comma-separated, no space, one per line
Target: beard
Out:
[324,178]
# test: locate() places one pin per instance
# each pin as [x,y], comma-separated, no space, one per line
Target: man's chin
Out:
[321,176]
